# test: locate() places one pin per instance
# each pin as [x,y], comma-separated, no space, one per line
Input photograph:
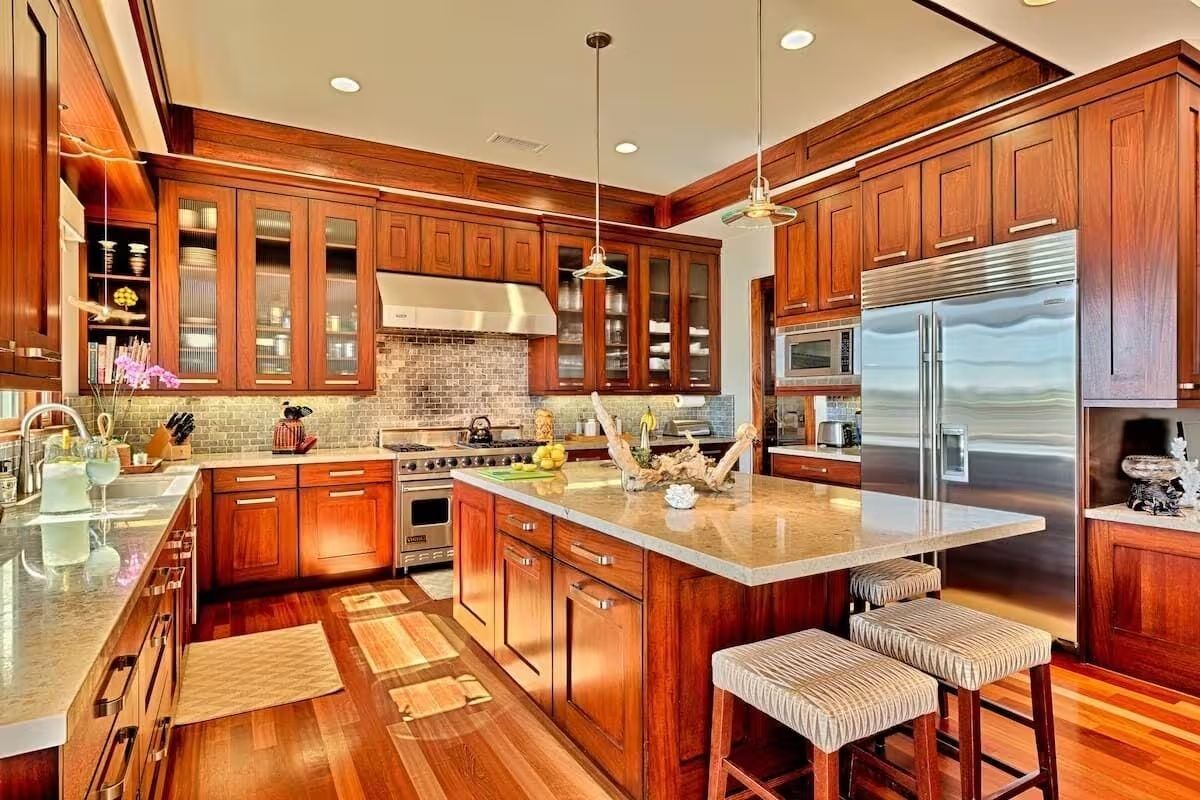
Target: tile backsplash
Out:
[426,378]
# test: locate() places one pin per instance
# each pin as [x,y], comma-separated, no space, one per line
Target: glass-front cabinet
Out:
[617,339]
[341,297]
[699,334]
[660,280]
[197,308]
[272,290]
[566,356]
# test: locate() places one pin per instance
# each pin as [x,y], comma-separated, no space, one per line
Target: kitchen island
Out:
[606,606]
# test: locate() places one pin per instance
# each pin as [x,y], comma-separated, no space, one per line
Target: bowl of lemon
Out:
[549,457]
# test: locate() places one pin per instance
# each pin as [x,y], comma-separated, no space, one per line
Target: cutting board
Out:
[506,474]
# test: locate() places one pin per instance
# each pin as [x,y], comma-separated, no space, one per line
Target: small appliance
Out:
[828,353]
[836,434]
[682,427]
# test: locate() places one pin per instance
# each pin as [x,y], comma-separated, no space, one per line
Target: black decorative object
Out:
[1155,497]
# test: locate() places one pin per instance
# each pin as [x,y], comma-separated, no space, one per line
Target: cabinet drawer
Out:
[246,479]
[522,522]
[341,473]
[817,470]
[599,555]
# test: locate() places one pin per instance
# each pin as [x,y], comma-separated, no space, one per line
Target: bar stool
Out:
[893,581]
[966,650]
[833,693]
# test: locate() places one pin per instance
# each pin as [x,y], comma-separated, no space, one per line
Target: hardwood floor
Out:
[427,715]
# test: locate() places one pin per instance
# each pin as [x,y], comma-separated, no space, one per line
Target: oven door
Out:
[425,515]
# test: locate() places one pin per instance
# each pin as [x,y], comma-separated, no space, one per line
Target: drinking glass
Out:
[103,465]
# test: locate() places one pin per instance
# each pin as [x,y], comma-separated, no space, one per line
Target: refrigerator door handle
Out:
[955,455]
[922,396]
[935,404]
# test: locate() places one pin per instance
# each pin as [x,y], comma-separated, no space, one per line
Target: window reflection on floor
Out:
[401,642]
[373,601]
[439,696]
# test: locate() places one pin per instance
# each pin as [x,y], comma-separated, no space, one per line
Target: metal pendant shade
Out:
[759,211]
[597,269]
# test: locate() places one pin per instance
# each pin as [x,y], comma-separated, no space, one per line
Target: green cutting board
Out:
[506,474]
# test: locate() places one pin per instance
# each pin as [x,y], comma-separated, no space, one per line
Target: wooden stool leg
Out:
[825,775]
[925,756]
[722,741]
[970,754]
[1043,728]
[943,702]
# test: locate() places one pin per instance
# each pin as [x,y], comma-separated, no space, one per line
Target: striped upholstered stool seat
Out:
[966,648]
[893,581]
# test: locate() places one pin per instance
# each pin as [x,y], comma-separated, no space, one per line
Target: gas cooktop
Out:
[502,444]
[408,447]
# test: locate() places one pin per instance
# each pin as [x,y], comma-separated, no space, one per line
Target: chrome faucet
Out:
[29,479]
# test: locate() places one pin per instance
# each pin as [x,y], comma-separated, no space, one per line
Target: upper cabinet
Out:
[818,257]
[658,275]
[892,217]
[398,240]
[341,296]
[700,318]
[441,247]
[1035,178]
[956,200]
[796,264]
[839,252]
[616,343]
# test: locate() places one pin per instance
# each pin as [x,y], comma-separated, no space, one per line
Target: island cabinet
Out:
[614,642]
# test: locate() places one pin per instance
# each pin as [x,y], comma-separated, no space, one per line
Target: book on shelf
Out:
[103,355]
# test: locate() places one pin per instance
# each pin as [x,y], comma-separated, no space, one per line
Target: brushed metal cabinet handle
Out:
[341,383]
[198,380]
[346,473]
[1028,226]
[176,583]
[164,728]
[807,468]
[1187,386]
[349,493]
[108,706]
[253,478]
[598,603]
[579,550]
[954,242]
[890,256]
[515,557]
[842,297]
[254,501]
[156,589]
[40,353]
[272,382]
[522,524]
[175,541]
[164,636]
[116,789]
[801,305]
[8,346]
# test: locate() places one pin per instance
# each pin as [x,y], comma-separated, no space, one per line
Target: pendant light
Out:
[597,268]
[759,211]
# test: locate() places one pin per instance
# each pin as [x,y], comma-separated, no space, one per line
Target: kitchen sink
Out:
[146,486]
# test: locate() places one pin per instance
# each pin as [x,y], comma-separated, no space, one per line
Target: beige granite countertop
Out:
[55,620]
[1188,521]
[265,458]
[764,529]
[819,451]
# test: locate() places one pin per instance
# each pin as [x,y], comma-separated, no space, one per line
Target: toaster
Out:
[836,434]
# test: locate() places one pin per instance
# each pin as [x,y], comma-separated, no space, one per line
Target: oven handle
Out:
[441,487]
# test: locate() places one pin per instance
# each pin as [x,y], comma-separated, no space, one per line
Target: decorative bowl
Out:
[681,495]
[1150,468]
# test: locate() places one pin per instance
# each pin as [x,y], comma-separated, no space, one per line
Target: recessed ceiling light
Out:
[344,84]
[626,147]
[1036,3]
[796,40]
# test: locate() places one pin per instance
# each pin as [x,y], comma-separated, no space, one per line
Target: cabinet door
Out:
[598,673]
[1034,179]
[1128,248]
[659,280]
[892,217]
[565,353]
[345,529]
[839,250]
[956,200]
[37,330]
[522,256]
[612,335]
[272,289]
[398,240]
[796,264]
[699,342]
[197,276]
[484,251]
[8,305]
[524,618]
[441,247]
[1189,257]
[255,537]
[342,297]
[474,563]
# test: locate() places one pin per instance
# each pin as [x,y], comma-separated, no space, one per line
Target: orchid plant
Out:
[129,376]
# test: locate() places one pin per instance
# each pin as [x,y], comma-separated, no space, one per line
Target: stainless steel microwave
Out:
[818,354]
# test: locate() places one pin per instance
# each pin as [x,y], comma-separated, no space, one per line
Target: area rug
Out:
[438,583]
[230,676]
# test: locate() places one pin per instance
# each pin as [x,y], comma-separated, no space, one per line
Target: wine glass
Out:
[102,463]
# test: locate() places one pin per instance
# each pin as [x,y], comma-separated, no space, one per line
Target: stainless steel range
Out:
[424,511]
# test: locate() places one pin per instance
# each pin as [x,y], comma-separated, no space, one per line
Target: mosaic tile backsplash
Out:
[427,379]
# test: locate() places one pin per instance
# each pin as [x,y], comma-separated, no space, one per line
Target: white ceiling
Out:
[443,76]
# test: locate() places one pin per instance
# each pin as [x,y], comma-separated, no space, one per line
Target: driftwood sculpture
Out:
[688,465]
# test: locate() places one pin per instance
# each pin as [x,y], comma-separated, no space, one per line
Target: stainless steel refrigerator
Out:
[969,395]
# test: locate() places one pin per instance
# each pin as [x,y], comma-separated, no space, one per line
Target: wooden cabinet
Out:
[816,470]
[613,341]
[345,529]
[524,617]
[1189,236]
[839,251]
[818,257]
[197,276]
[611,560]
[956,200]
[1035,179]
[474,563]
[342,297]
[398,241]
[522,255]
[699,321]
[659,281]
[598,673]
[255,537]
[484,252]
[892,218]
[441,247]
[1141,621]
[272,292]
[796,264]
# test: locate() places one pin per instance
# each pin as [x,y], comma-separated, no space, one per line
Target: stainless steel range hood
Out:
[450,304]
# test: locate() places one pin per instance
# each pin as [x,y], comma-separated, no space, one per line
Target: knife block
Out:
[160,446]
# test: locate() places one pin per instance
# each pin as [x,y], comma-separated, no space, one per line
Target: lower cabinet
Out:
[255,537]
[524,617]
[816,470]
[345,529]
[598,672]
[475,563]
